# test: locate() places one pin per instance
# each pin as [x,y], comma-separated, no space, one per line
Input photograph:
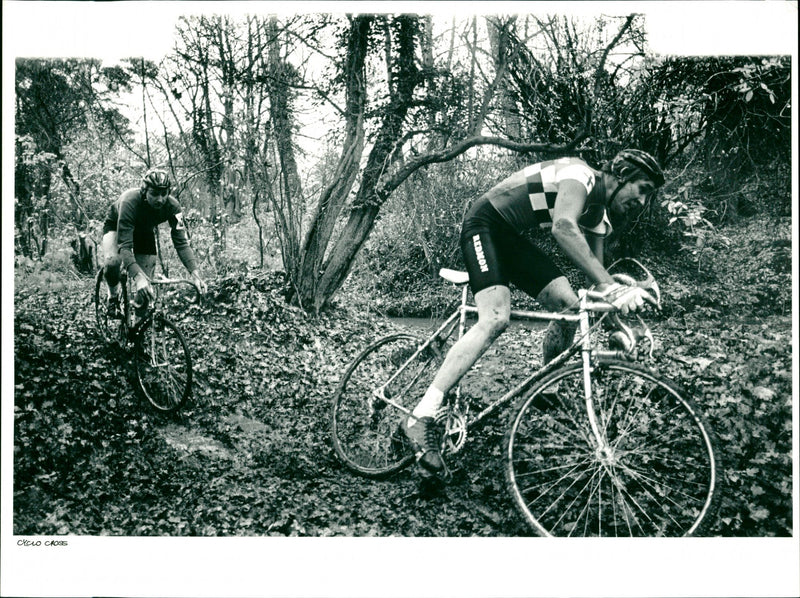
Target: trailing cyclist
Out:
[571,200]
[129,237]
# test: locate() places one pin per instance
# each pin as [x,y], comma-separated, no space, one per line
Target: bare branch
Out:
[386,188]
[396,180]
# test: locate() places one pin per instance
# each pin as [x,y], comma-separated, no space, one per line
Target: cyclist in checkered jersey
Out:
[572,202]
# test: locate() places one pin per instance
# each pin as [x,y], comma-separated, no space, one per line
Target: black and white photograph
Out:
[399,299]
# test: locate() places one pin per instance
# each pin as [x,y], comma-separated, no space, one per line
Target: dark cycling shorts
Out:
[495,254]
[144,241]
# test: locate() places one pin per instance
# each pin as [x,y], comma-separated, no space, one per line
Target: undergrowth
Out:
[251,454]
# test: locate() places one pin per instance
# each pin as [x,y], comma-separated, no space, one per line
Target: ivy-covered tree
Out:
[392,130]
[57,102]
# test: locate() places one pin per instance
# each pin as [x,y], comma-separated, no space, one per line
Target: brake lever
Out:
[634,334]
[648,284]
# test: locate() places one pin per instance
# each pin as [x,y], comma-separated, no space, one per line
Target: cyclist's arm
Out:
[180,239]
[568,208]
[597,245]
[125,226]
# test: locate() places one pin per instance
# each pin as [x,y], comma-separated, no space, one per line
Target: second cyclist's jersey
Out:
[526,200]
[134,220]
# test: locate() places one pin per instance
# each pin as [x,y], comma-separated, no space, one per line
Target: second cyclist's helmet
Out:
[627,162]
[156,179]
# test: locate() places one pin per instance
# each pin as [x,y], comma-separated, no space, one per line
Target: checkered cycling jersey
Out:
[530,206]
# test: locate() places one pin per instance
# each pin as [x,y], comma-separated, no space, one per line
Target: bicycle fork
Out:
[605,451]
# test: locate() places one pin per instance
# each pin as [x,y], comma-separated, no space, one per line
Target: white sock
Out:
[429,405]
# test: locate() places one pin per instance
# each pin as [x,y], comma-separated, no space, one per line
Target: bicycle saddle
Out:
[454,276]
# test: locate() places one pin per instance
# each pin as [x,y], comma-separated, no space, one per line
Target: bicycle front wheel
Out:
[365,417]
[653,474]
[163,364]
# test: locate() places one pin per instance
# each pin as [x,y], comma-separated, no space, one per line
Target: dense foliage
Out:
[315,128]
[324,164]
[252,456]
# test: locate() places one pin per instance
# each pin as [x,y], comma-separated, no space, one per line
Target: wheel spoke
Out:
[652,473]
[378,389]
[588,490]
[163,365]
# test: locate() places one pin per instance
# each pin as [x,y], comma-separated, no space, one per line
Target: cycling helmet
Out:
[156,179]
[628,163]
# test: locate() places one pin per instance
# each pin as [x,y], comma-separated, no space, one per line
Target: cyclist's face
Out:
[157,197]
[633,196]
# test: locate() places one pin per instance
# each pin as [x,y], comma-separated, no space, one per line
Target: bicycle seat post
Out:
[462,323]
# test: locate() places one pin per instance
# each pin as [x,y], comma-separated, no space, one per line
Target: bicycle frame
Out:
[132,328]
[583,344]
[595,444]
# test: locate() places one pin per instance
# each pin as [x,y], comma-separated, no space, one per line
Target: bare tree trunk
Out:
[204,134]
[44,225]
[333,196]
[358,227]
[254,166]
[290,188]
[144,113]
[256,198]
[502,51]
[327,279]
[472,66]
[228,75]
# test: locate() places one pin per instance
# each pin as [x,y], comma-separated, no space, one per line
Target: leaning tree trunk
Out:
[306,276]
[327,279]
[358,227]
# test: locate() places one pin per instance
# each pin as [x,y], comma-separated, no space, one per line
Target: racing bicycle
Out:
[161,358]
[596,443]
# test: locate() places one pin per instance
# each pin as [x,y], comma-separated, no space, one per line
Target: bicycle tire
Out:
[109,328]
[659,479]
[163,364]
[364,428]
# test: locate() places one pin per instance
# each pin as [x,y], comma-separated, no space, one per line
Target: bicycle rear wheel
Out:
[364,426]
[108,325]
[658,478]
[163,364]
